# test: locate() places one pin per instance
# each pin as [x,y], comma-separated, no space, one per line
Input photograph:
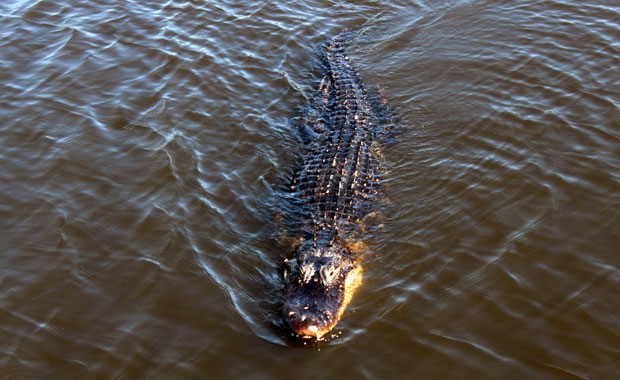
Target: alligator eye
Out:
[328,274]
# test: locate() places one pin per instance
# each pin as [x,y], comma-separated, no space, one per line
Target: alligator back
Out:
[339,177]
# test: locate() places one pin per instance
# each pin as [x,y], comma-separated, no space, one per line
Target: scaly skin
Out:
[332,191]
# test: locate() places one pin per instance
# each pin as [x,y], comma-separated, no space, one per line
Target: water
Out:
[141,144]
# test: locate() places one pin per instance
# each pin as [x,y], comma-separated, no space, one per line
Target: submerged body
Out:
[332,191]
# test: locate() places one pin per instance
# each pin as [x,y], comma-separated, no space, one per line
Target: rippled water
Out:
[141,143]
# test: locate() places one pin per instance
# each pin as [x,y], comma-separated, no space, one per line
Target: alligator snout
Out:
[308,322]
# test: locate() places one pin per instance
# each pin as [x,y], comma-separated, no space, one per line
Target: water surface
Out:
[142,143]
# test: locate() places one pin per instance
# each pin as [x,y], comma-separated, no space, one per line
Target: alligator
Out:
[333,192]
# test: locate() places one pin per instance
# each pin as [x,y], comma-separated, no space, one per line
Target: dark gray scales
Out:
[334,188]
[340,176]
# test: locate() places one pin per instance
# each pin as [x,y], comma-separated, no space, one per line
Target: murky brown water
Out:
[141,144]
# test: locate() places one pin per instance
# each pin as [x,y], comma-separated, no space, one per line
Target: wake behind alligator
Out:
[332,192]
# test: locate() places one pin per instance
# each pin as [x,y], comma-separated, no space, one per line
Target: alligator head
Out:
[319,284]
